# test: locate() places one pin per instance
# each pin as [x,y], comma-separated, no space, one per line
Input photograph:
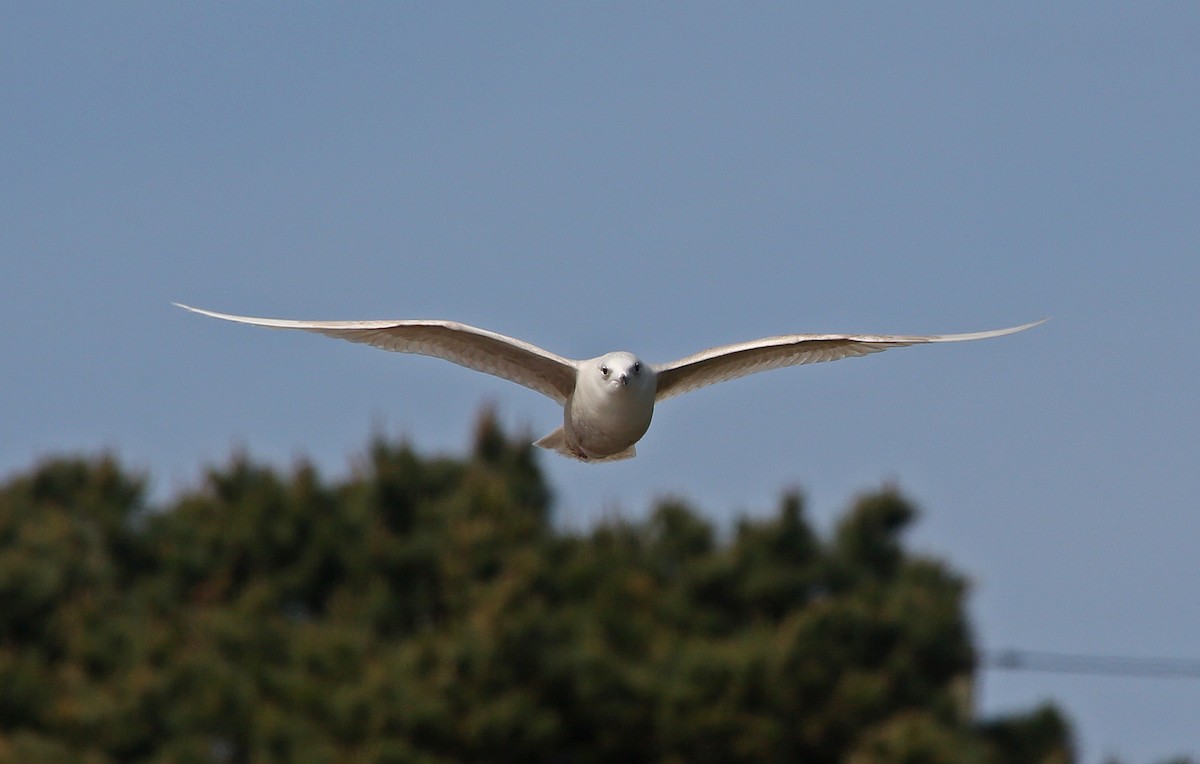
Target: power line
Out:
[1108,665]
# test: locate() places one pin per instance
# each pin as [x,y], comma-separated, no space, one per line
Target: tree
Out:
[426,609]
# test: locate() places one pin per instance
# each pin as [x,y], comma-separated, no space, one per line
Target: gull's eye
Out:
[604,370]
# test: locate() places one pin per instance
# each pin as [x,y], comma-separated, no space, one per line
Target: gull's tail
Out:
[557,441]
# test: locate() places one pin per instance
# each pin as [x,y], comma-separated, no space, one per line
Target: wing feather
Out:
[728,362]
[464,345]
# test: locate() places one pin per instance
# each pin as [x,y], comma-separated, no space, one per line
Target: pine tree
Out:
[427,609]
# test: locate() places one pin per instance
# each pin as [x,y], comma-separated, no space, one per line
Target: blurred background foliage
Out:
[428,610]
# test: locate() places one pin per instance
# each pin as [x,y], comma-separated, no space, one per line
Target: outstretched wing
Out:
[464,345]
[732,361]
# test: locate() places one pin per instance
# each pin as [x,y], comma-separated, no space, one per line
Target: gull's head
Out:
[620,371]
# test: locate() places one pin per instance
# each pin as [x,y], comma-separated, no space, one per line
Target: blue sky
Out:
[658,178]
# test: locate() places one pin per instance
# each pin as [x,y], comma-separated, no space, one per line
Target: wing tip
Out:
[268,322]
[990,333]
[192,308]
[1022,327]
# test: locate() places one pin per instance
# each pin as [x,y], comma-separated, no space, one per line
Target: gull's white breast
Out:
[606,417]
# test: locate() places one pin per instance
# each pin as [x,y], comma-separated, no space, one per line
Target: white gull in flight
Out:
[607,401]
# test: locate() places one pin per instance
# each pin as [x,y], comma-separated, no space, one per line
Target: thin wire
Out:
[1109,665]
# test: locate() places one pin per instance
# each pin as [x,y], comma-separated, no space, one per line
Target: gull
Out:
[607,401]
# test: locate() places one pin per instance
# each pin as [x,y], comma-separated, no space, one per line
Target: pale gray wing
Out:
[732,361]
[464,345]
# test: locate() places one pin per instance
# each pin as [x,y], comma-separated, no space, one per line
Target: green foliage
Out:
[426,610]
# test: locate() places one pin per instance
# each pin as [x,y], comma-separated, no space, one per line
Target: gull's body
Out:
[608,401]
